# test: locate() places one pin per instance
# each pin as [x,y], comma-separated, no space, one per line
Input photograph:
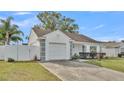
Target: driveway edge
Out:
[51,71]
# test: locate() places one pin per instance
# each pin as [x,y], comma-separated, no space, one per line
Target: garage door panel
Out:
[57,51]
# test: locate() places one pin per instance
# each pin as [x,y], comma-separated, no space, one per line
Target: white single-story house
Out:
[58,45]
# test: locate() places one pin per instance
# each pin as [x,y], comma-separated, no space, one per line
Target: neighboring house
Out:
[112,49]
[58,45]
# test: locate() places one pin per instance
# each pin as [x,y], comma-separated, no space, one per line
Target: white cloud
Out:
[98,26]
[26,22]
[92,28]
[109,38]
[22,13]
[120,39]
[2,17]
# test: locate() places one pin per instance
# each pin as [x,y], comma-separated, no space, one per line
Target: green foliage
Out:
[9,32]
[120,55]
[55,21]
[75,56]
[11,60]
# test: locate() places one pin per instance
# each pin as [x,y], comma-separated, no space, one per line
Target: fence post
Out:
[17,51]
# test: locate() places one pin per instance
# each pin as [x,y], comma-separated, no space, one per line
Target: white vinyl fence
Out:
[111,52]
[19,52]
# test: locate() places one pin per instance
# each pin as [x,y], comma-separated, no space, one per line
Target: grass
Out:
[112,63]
[23,71]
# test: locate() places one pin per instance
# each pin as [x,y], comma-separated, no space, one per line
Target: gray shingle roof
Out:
[112,44]
[73,36]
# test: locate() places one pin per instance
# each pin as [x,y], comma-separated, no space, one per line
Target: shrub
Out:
[75,56]
[92,55]
[35,58]
[119,55]
[106,57]
[11,60]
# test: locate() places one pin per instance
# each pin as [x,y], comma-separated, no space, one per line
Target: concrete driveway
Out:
[68,70]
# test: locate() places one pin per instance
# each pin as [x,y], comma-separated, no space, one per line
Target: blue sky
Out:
[98,25]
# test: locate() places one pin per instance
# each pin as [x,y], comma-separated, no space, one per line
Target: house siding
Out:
[78,47]
[33,39]
[58,37]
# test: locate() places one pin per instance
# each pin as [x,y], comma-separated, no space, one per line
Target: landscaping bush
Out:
[35,58]
[106,57]
[75,56]
[119,55]
[92,55]
[11,60]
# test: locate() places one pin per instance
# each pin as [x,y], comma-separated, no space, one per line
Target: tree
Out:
[55,21]
[122,41]
[9,32]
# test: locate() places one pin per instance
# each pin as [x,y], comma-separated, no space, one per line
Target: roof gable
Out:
[40,32]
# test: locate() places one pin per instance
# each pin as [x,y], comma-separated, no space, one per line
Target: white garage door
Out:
[57,51]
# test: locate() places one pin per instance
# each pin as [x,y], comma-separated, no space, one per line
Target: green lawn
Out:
[112,63]
[24,71]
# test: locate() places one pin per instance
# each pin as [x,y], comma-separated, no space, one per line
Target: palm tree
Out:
[9,32]
[68,25]
[56,21]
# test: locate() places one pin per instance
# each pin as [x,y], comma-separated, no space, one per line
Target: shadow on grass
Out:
[24,62]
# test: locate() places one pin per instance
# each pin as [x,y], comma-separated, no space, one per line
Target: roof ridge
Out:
[73,36]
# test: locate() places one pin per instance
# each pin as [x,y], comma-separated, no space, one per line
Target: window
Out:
[42,52]
[93,49]
[83,48]
[73,45]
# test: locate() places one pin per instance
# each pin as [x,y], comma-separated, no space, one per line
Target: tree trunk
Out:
[7,39]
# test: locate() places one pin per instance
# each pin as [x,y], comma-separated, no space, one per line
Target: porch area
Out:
[86,50]
[85,55]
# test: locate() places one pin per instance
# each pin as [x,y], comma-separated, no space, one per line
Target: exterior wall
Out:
[121,49]
[111,52]
[78,47]
[33,39]
[57,37]
[19,53]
